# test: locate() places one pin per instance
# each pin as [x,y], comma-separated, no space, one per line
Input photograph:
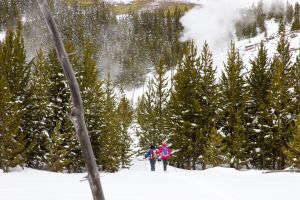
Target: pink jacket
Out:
[160,151]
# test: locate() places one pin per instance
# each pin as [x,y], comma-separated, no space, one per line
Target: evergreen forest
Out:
[246,118]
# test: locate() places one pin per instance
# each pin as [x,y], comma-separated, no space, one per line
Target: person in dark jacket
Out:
[152,157]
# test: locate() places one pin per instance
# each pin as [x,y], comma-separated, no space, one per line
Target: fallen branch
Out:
[77,113]
[289,170]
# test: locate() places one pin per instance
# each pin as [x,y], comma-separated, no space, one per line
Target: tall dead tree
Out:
[77,113]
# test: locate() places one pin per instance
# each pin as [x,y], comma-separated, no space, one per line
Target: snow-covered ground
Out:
[139,183]
[249,47]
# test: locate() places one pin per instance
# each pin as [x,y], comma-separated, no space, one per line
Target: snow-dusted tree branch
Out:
[77,112]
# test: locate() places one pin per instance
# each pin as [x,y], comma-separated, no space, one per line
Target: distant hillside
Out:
[125,6]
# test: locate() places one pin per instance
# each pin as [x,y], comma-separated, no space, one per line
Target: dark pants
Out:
[152,163]
[165,163]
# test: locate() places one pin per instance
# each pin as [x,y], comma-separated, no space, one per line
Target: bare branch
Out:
[77,113]
[276,171]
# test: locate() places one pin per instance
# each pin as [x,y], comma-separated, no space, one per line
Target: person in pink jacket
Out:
[165,152]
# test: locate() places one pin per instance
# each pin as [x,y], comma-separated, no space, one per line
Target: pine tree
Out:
[215,150]
[296,22]
[59,93]
[146,119]
[233,111]
[58,150]
[161,93]
[208,98]
[184,113]
[295,89]
[259,83]
[289,13]
[59,106]
[261,17]
[38,111]
[125,117]
[279,97]
[151,112]
[15,81]
[93,97]
[110,156]
[292,151]
[281,27]
[12,145]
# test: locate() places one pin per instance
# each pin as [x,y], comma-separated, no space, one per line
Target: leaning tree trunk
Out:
[77,114]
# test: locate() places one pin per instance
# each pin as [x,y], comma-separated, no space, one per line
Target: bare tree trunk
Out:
[77,113]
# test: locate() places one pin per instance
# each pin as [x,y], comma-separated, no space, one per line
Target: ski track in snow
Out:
[139,183]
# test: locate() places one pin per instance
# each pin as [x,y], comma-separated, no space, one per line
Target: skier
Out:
[165,152]
[152,157]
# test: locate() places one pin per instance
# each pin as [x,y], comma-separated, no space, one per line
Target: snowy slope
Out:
[139,183]
[249,47]
[215,25]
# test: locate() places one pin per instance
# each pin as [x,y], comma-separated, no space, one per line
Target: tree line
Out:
[246,119]
[253,20]
[126,46]
[35,127]
[36,130]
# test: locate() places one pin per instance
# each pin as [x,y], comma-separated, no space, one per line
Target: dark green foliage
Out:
[125,117]
[208,98]
[58,150]
[296,21]
[295,83]
[292,151]
[161,95]
[193,109]
[243,123]
[38,111]
[289,13]
[215,149]
[155,35]
[233,100]
[281,27]
[146,118]
[280,108]
[110,138]
[183,109]
[259,83]
[14,80]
